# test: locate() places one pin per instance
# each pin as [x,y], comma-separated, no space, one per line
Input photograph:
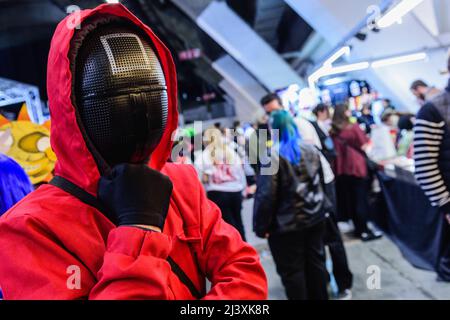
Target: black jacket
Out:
[292,198]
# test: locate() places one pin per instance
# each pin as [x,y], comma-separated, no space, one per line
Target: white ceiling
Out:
[427,27]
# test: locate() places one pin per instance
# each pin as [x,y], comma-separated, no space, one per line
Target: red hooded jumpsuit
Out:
[51,235]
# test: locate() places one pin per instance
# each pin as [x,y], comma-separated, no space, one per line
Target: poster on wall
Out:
[298,100]
[28,143]
[13,93]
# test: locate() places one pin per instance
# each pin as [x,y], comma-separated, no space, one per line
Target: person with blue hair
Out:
[289,211]
[14,185]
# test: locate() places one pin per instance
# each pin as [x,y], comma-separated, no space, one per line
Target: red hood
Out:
[75,162]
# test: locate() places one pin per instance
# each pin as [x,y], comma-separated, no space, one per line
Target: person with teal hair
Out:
[289,137]
[289,211]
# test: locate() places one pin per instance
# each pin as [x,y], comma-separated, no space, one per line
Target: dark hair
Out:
[386,115]
[340,119]
[405,123]
[367,106]
[268,98]
[321,107]
[418,83]
[448,63]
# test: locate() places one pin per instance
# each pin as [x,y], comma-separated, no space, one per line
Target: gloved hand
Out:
[136,195]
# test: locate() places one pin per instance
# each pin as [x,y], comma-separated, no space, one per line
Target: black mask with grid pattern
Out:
[121,94]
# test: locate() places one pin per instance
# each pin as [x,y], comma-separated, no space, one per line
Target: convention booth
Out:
[400,207]
[404,213]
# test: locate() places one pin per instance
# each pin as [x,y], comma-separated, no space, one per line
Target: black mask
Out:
[120,93]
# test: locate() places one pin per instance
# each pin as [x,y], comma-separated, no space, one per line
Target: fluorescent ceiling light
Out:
[344,50]
[333,81]
[112,1]
[315,76]
[328,71]
[399,60]
[345,68]
[397,12]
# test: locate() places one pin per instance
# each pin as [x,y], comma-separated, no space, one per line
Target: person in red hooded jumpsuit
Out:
[57,244]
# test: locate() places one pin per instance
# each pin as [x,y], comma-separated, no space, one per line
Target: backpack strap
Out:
[92,201]
[78,193]
[183,277]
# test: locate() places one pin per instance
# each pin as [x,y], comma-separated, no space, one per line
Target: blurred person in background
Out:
[222,173]
[389,120]
[257,143]
[333,238]
[432,149]
[366,118]
[384,137]
[272,102]
[322,126]
[289,211]
[387,105]
[432,158]
[317,134]
[422,91]
[406,136]
[351,170]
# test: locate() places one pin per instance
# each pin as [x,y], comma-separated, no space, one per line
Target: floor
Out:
[369,262]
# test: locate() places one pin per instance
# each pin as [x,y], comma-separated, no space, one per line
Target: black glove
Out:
[135,194]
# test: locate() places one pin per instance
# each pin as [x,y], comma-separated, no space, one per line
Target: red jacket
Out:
[349,160]
[51,235]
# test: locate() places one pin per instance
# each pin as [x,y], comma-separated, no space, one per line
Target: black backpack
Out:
[328,150]
[308,179]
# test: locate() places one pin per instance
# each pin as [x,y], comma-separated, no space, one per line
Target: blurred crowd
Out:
[310,178]
[319,182]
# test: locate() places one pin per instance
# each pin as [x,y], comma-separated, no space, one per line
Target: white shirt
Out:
[222,177]
[310,136]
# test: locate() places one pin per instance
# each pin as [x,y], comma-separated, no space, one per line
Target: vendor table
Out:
[417,228]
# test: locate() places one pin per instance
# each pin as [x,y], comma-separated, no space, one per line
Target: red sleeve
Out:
[360,137]
[134,265]
[232,265]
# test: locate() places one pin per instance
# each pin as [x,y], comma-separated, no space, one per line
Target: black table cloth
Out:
[419,230]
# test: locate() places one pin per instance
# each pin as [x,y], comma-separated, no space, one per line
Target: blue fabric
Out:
[14,183]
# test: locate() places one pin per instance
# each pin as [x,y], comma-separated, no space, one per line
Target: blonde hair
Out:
[216,147]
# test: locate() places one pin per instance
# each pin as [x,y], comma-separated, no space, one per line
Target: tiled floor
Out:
[398,279]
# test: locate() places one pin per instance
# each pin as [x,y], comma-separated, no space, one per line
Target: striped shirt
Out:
[429,131]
